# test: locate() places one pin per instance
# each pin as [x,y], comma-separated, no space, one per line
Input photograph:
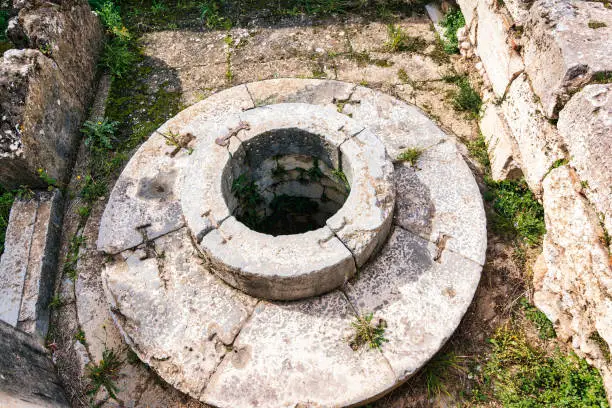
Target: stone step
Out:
[29,263]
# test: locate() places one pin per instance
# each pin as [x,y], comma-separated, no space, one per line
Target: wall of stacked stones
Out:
[547,70]
[45,87]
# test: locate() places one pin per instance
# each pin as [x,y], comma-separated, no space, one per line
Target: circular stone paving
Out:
[252,229]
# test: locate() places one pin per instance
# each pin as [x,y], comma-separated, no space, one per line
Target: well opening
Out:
[285,181]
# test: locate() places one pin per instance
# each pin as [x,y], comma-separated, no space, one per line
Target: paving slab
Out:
[420,291]
[292,90]
[311,363]
[175,315]
[439,200]
[398,125]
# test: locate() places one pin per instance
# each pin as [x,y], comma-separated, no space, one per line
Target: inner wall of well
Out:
[285,182]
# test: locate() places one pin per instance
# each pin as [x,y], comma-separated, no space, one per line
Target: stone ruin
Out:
[239,256]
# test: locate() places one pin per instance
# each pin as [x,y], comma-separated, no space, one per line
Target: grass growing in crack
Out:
[452,21]
[398,40]
[118,58]
[72,257]
[80,337]
[478,149]
[56,302]
[602,78]
[368,333]
[516,211]
[93,189]
[339,174]
[438,371]
[597,24]
[104,373]
[410,155]
[100,134]
[518,375]
[602,344]
[545,327]
[466,99]
[247,193]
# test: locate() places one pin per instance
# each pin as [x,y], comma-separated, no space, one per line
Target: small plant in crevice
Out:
[339,174]
[368,332]
[399,41]
[602,344]
[452,21]
[80,337]
[100,134]
[410,155]
[438,372]
[48,180]
[247,193]
[72,257]
[279,171]
[466,99]
[602,78]
[55,302]
[210,14]
[93,189]
[516,211]
[104,374]
[545,327]
[118,57]
[478,149]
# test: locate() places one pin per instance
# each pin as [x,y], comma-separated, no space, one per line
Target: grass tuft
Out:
[545,327]
[368,333]
[104,373]
[399,41]
[410,155]
[466,99]
[438,372]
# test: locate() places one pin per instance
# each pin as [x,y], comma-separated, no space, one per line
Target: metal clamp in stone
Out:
[287,267]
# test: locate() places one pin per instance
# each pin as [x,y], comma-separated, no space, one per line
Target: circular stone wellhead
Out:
[282,168]
[287,189]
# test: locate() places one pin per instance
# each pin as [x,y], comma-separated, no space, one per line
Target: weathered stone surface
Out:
[519,10]
[311,91]
[564,52]
[176,316]
[14,261]
[43,98]
[500,60]
[283,267]
[363,222]
[147,193]
[574,291]
[421,291]
[397,124]
[310,364]
[439,201]
[538,141]
[42,265]
[468,8]
[500,144]
[586,127]
[28,375]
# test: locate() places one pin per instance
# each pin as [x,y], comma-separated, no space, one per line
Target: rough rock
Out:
[501,146]
[564,51]
[175,315]
[538,141]
[574,290]
[501,61]
[311,91]
[311,363]
[586,127]
[44,95]
[420,291]
[28,376]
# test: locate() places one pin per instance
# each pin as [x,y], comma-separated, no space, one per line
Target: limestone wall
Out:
[547,70]
[45,86]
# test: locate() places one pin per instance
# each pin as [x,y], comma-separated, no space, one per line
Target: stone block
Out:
[439,201]
[538,141]
[282,267]
[564,50]
[468,8]
[586,127]
[311,91]
[178,317]
[500,60]
[421,291]
[398,125]
[311,364]
[28,376]
[501,146]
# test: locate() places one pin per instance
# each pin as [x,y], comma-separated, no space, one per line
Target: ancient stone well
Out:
[248,237]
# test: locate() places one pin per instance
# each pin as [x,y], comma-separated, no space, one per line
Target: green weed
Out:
[545,327]
[48,180]
[602,78]
[56,302]
[466,99]
[451,22]
[438,372]
[118,58]
[519,375]
[399,41]
[80,337]
[410,155]
[93,189]
[104,373]
[517,212]
[100,134]
[597,24]
[602,344]
[366,333]
[246,192]
[339,174]
[478,149]
[72,257]
[4,18]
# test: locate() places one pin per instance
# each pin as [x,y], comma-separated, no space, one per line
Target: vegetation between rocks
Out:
[410,155]
[368,332]
[452,21]
[104,373]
